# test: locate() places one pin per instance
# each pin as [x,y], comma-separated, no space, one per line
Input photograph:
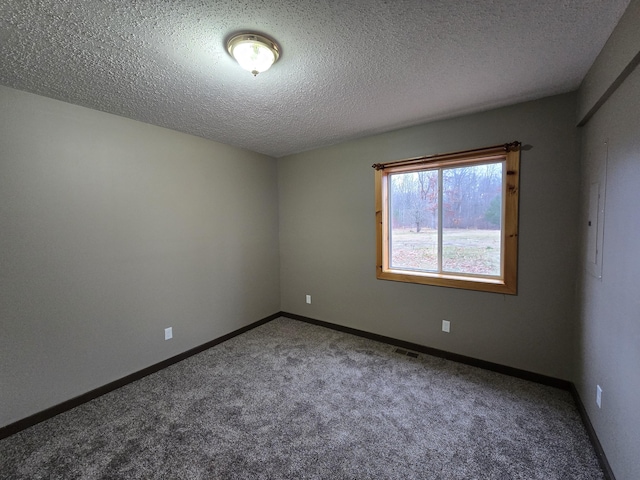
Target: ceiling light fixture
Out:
[255,53]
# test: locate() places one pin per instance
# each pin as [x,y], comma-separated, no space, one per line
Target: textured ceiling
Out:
[348,68]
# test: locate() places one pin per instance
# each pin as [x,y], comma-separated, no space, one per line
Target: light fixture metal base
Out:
[257,39]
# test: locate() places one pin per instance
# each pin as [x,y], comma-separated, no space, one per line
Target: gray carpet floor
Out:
[289,400]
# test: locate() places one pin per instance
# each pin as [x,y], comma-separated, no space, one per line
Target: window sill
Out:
[483,284]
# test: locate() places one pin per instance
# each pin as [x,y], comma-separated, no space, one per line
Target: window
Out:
[451,219]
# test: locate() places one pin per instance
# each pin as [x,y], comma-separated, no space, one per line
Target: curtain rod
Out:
[506,147]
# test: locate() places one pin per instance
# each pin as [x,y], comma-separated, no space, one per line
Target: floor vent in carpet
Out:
[405,352]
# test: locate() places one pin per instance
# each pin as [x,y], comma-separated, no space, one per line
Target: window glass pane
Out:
[413,220]
[472,219]
[446,220]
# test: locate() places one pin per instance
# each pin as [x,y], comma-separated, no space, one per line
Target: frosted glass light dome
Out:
[255,53]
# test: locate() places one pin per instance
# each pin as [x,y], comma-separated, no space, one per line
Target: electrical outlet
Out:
[309,299]
[598,396]
[446,326]
[168,333]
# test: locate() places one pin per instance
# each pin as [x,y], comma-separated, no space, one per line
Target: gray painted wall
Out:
[619,52]
[610,307]
[327,241]
[609,321]
[112,230]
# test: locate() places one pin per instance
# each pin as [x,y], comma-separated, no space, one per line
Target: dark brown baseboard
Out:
[597,446]
[85,397]
[495,367]
[514,372]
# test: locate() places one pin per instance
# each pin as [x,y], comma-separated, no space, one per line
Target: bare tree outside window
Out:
[414,220]
[470,242]
[471,219]
[450,221]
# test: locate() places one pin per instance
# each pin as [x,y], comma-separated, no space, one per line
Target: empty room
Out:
[319,240]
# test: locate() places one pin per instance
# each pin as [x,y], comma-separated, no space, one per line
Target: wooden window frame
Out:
[506,283]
